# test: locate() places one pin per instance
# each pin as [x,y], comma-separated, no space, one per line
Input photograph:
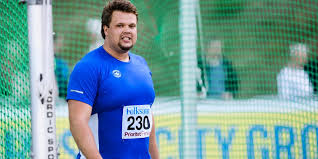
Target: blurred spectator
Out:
[93,26]
[61,69]
[221,78]
[293,81]
[312,69]
[61,72]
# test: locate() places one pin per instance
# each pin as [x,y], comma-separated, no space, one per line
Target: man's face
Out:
[214,51]
[301,58]
[122,32]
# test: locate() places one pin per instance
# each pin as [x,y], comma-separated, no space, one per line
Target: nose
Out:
[127,29]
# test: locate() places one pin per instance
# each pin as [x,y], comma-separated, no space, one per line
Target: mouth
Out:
[126,38]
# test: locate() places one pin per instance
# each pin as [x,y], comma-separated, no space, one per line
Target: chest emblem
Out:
[116,73]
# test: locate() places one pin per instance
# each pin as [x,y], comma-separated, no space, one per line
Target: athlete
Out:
[110,93]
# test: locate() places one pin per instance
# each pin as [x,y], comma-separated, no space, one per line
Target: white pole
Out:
[188,34]
[42,79]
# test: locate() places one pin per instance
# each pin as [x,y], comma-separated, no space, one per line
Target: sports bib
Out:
[137,121]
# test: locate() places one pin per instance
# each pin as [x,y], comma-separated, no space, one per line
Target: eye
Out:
[132,26]
[120,25]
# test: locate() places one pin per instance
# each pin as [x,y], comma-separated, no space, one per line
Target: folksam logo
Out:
[135,110]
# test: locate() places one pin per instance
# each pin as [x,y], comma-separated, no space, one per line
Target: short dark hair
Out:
[116,5]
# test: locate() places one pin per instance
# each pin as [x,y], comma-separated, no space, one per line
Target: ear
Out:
[105,30]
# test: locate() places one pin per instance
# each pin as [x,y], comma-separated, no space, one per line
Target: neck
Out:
[121,56]
[214,62]
[293,65]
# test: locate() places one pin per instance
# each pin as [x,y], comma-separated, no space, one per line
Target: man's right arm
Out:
[79,115]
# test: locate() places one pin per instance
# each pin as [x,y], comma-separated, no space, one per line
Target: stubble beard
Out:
[125,48]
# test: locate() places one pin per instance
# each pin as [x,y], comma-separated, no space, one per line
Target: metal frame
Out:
[43,116]
[188,34]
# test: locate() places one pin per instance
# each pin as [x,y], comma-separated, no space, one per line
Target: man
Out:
[92,26]
[221,78]
[110,93]
[292,81]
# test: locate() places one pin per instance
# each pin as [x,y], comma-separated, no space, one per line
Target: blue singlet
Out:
[108,85]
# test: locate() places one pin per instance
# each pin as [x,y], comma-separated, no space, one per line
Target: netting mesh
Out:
[256,37]
[256,74]
[15,125]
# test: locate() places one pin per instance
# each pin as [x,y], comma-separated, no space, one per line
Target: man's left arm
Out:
[153,149]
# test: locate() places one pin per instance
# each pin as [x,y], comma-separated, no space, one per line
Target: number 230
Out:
[143,122]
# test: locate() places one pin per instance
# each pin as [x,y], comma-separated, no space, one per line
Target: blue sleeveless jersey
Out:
[108,85]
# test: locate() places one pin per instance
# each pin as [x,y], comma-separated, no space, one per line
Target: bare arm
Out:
[79,114]
[153,149]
